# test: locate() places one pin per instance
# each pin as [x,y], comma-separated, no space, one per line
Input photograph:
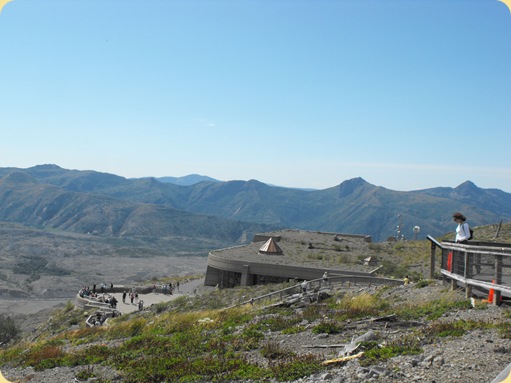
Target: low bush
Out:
[328,326]
[374,352]
[296,367]
[8,329]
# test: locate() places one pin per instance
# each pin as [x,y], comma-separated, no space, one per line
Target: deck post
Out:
[433,260]
[455,267]
[467,274]
[497,278]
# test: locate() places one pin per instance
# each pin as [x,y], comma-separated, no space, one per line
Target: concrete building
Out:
[289,254]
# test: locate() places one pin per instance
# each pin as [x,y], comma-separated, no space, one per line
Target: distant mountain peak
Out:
[467,184]
[467,188]
[47,166]
[255,182]
[349,186]
[357,181]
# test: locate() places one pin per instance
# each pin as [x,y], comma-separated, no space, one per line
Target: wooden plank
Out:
[326,345]
[343,359]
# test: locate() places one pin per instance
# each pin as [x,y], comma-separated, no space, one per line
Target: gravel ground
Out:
[478,356]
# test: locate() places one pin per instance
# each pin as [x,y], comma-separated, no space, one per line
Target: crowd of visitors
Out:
[86,292]
[104,293]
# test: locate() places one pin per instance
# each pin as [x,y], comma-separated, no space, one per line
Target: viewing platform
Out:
[482,268]
[146,293]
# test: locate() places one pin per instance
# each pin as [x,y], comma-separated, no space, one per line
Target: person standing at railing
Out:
[304,286]
[462,230]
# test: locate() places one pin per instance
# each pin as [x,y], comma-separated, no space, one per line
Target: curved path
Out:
[186,288]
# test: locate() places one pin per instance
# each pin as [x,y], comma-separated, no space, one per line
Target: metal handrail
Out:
[339,279]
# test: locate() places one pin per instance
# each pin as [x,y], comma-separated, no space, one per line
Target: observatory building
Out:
[290,254]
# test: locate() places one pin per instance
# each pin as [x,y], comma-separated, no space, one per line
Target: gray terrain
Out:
[475,357]
[41,268]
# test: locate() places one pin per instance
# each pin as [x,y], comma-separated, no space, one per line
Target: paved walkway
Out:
[152,298]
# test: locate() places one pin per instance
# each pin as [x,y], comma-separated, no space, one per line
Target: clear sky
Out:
[407,94]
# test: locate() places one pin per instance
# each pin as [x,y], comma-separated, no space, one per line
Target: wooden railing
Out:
[477,265]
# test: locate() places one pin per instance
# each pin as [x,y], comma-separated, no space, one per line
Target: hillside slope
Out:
[354,206]
[27,201]
[422,332]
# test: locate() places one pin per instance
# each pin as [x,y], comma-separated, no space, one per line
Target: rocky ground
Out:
[478,356]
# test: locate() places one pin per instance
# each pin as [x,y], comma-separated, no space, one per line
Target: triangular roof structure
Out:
[270,247]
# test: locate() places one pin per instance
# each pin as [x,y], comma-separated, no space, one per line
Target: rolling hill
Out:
[102,202]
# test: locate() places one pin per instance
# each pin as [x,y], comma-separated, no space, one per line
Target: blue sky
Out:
[407,94]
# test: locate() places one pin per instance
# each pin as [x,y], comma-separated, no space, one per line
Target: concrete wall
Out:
[247,270]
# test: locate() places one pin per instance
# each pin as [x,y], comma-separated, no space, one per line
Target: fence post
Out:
[433,259]
[497,278]
[455,260]
[467,274]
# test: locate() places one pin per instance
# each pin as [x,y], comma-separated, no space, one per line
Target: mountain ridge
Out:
[354,206]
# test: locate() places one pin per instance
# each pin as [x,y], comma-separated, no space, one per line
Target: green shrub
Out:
[504,330]
[293,330]
[273,350]
[277,323]
[377,247]
[328,326]
[399,246]
[86,373]
[44,357]
[312,313]
[160,307]
[374,353]
[431,310]
[392,269]
[356,306]
[136,327]
[8,329]
[251,337]
[423,283]
[296,367]
[457,328]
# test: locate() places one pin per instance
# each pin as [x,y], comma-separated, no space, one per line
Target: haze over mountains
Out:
[47,196]
[62,229]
